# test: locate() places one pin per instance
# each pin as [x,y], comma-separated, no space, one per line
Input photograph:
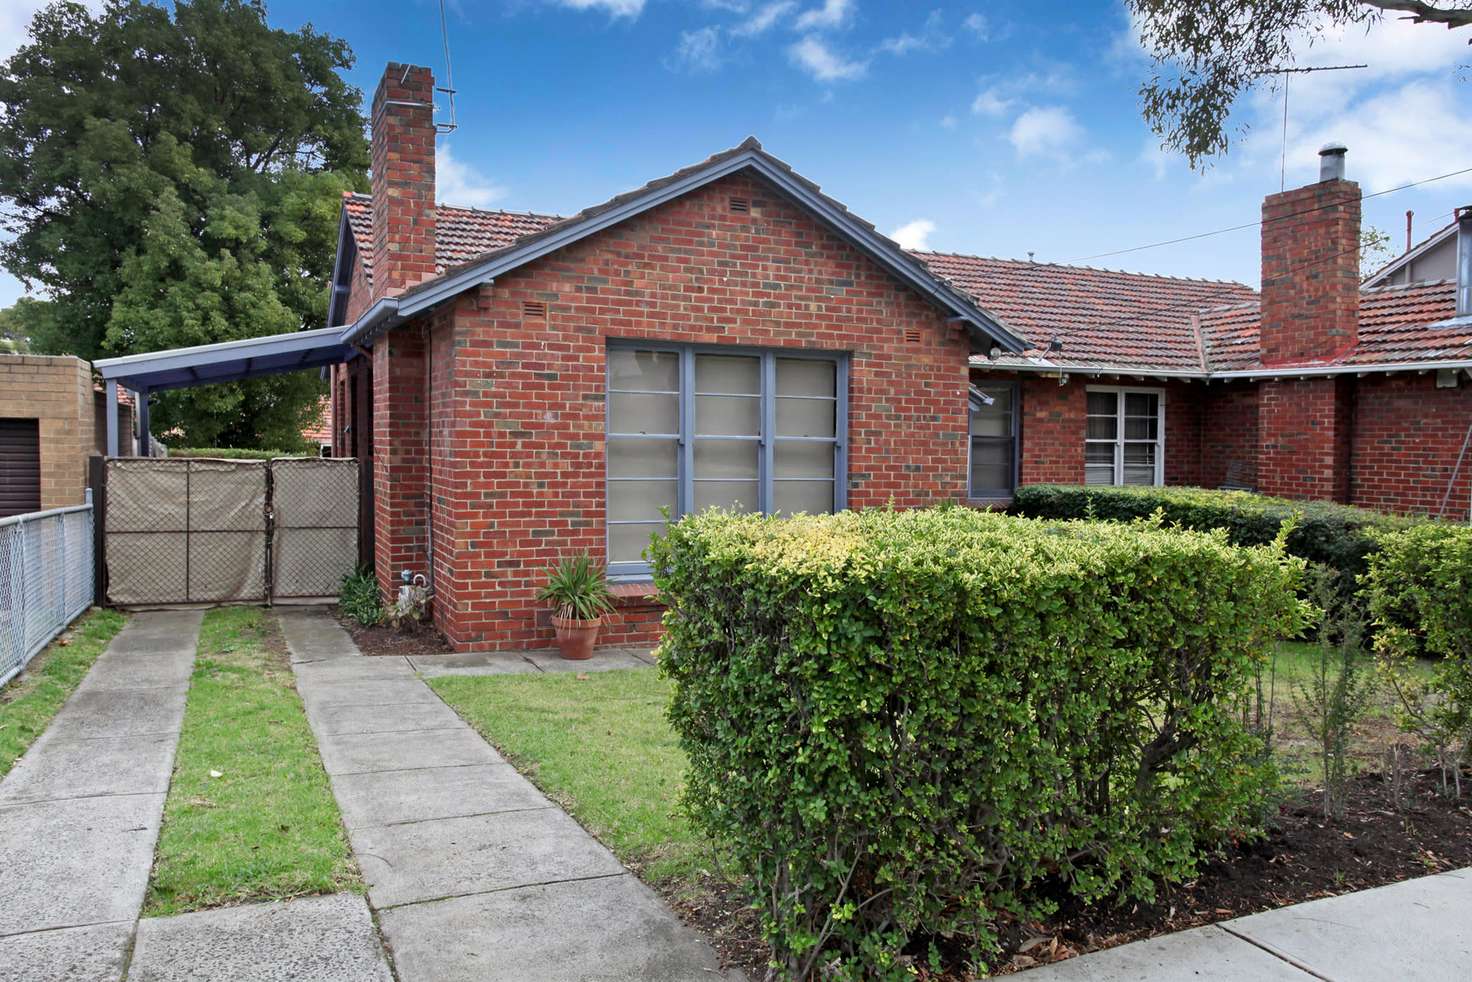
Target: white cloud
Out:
[832,14]
[1045,131]
[614,8]
[932,37]
[15,22]
[459,183]
[978,24]
[700,50]
[731,6]
[823,63]
[989,102]
[764,18]
[948,121]
[914,235]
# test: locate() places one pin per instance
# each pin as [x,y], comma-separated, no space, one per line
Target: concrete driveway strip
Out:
[80,812]
[474,873]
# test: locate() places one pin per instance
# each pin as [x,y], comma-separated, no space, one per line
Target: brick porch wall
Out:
[1229,434]
[1407,434]
[1304,438]
[401,463]
[518,475]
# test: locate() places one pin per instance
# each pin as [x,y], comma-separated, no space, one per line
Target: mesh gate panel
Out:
[315,518]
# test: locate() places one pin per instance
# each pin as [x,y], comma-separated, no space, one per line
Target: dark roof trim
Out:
[226,361]
[1380,275]
[342,266]
[984,328]
[1042,366]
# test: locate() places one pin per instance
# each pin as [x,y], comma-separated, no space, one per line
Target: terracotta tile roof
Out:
[461,234]
[1103,317]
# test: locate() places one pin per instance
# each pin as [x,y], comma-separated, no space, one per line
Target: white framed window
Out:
[694,427]
[1125,439]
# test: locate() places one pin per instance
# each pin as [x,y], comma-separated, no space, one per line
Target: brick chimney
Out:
[1311,267]
[1310,313]
[403,179]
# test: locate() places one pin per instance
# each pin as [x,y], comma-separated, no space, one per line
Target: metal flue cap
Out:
[1331,161]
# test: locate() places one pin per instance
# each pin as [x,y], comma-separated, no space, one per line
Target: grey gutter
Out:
[978,322]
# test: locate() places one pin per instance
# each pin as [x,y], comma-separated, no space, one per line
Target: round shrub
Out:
[906,725]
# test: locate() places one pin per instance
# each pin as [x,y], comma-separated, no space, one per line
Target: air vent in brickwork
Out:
[741,206]
[912,335]
[533,308]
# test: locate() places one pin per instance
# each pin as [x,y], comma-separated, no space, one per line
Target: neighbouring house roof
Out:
[460,234]
[527,246]
[1383,274]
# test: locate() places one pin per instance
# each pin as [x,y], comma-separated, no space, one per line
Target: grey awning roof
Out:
[227,361]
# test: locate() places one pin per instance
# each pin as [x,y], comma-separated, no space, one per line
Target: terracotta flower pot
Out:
[576,638]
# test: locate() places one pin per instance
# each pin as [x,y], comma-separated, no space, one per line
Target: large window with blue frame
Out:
[694,427]
[993,447]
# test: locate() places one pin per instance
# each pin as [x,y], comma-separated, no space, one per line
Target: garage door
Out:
[20,466]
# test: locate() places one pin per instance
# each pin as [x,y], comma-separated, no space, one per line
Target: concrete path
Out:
[473,873]
[1416,931]
[80,812]
[527,662]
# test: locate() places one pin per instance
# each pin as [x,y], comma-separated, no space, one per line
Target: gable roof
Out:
[1379,277]
[985,328]
[460,234]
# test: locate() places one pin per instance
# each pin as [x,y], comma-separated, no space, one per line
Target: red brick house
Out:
[532,386]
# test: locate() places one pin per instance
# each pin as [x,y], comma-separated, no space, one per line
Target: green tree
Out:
[1375,250]
[174,178]
[1206,54]
[23,323]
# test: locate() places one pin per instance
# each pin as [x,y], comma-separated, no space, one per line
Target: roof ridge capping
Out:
[1076,266]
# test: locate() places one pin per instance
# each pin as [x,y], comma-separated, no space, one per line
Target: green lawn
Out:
[31,699]
[598,744]
[250,815]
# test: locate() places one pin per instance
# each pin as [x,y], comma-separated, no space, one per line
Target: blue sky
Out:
[997,128]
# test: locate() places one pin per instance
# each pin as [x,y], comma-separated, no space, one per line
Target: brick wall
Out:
[1054,420]
[1229,434]
[1304,430]
[1407,434]
[401,463]
[57,392]
[518,422]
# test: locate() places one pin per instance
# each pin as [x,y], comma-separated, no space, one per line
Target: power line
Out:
[1247,225]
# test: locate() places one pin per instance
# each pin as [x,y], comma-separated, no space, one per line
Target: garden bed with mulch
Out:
[1302,858]
[381,639]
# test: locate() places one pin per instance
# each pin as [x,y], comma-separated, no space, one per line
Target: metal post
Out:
[111,386]
[145,439]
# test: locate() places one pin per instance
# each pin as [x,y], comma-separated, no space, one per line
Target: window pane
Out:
[805,377]
[1102,427]
[641,458]
[1141,403]
[988,421]
[643,414]
[726,373]
[805,417]
[1098,474]
[733,495]
[1099,453]
[632,501]
[991,465]
[626,543]
[727,416]
[1103,404]
[725,458]
[644,371]
[1140,428]
[799,458]
[1139,463]
[813,497]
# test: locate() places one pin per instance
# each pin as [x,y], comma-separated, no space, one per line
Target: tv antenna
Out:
[1286,72]
[449,87]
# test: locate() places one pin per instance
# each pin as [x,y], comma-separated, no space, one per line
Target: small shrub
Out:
[907,725]
[1333,535]
[1418,588]
[577,589]
[233,453]
[1339,691]
[359,599]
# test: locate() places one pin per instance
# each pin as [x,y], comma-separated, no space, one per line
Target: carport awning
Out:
[205,364]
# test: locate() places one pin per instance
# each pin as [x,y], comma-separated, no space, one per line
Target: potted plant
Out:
[578,594]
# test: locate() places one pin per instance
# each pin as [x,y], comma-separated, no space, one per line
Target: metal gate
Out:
[209,531]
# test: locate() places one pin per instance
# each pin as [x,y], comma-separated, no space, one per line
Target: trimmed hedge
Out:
[1419,590]
[1338,536]
[904,724]
[233,453]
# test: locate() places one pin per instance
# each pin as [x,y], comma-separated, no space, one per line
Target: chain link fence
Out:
[45,580]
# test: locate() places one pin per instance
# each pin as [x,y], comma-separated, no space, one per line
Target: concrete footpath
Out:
[80,812]
[473,873]
[1416,931]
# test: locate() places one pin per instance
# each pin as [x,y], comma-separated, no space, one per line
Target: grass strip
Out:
[250,815]
[30,700]
[598,744]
